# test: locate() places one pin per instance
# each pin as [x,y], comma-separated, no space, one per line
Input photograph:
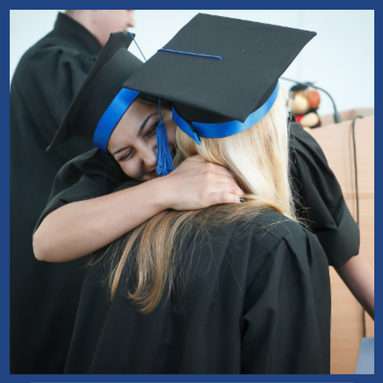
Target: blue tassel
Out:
[164,158]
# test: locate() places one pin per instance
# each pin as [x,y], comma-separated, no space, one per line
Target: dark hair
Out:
[152,100]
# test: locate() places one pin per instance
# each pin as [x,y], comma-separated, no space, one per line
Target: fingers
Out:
[230,187]
[197,184]
[216,170]
[199,163]
[196,158]
[219,197]
[206,165]
[225,192]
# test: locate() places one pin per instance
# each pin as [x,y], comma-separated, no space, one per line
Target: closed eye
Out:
[152,130]
[126,156]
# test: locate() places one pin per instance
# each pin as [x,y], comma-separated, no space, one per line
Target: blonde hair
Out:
[258,158]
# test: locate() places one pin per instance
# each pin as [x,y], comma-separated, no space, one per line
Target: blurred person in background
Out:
[44,297]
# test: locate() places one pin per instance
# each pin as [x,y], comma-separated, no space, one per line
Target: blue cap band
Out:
[112,115]
[224,129]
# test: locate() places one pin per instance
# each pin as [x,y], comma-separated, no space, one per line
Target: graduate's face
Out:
[133,142]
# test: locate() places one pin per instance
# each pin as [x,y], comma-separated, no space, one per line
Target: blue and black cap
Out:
[220,74]
[101,101]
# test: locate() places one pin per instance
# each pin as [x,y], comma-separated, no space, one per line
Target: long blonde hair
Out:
[258,158]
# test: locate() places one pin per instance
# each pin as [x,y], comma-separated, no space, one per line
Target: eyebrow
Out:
[139,132]
[144,123]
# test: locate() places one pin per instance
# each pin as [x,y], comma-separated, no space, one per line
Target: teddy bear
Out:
[303,104]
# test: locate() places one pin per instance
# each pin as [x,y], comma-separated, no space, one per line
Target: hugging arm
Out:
[79,227]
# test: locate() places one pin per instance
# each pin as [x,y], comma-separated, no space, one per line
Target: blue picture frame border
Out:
[6,6]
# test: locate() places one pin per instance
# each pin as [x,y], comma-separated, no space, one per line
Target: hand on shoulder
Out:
[196,184]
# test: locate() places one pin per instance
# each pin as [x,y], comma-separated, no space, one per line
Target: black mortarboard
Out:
[101,101]
[220,73]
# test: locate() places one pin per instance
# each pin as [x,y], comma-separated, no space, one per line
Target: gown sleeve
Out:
[286,316]
[319,200]
[89,175]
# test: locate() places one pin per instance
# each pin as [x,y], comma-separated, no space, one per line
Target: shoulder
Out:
[314,184]
[274,226]
[302,141]
[47,56]
[94,162]
[52,42]
[275,245]
[306,155]
[89,175]
[272,235]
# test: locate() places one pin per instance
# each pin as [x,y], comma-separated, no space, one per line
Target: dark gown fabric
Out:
[317,194]
[43,297]
[255,300]
[319,198]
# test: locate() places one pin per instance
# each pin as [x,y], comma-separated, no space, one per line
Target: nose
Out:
[149,156]
[131,21]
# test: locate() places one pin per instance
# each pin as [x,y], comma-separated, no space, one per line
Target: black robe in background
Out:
[43,296]
[255,300]
[317,194]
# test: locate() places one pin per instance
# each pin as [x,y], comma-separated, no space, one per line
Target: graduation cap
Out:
[221,74]
[101,101]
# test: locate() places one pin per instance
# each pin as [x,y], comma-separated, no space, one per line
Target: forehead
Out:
[130,123]
[138,112]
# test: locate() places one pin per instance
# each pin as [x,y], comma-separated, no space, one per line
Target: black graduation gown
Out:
[256,300]
[43,296]
[317,193]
